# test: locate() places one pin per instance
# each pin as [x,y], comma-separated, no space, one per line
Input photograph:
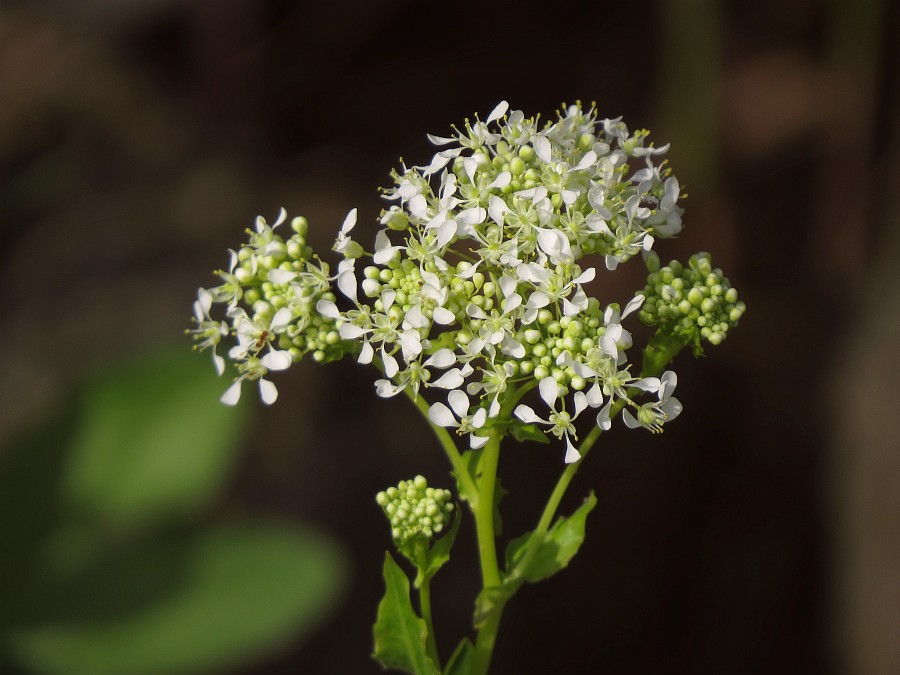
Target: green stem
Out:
[484,643]
[487,553]
[484,513]
[425,609]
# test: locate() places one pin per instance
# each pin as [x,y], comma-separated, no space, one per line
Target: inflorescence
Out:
[415,509]
[476,286]
[692,302]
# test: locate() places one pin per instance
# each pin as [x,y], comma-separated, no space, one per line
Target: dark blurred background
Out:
[759,534]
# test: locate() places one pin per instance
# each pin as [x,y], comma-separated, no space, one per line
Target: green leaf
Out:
[153,441]
[554,550]
[439,553]
[529,432]
[461,661]
[399,633]
[183,604]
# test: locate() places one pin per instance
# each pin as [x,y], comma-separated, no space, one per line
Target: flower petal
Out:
[441,415]
[542,148]
[572,455]
[268,392]
[549,390]
[233,394]
[498,112]
[443,316]
[603,420]
[276,360]
[526,414]
[442,358]
[459,402]
[391,367]
[630,420]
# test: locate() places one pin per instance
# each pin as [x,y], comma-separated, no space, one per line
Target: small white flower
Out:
[255,370]
[443,416]
[560,421]
[344,244]
[208,332]
[652,415]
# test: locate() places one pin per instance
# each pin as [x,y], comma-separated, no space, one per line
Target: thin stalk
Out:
[425,609]
[487,553]
[484,643]
[484,513]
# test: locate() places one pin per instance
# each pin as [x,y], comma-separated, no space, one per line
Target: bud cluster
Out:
[415,509]
[693,302]
[271,289]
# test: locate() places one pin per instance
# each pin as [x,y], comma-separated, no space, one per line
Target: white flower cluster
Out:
[475,285]
[270,292]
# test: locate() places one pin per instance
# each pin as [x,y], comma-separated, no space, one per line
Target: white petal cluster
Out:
[269,295]
[475,288]
[476,282]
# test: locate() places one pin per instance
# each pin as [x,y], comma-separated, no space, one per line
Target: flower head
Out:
[415,510]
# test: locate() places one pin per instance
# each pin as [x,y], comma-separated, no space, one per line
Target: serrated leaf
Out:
[460,662]
[153,441]
[555,549]
[182,603]
[400,634]
[529,432]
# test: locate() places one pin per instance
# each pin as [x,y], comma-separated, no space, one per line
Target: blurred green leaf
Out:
[183,606]
[399,633]
[153,440]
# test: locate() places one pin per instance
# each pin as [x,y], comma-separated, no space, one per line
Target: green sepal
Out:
[399,633]
[460,662]
[554,550]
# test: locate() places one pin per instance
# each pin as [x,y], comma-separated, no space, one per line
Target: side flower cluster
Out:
[269,294]
[415,509]
[692,302]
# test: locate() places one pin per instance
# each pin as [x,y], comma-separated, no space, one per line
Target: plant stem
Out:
[484,643]
[484,513]
[425,609]
[487,553]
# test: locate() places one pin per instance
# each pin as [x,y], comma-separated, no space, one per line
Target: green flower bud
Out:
[415,510]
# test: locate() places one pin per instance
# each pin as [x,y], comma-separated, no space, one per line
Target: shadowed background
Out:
[758,534]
